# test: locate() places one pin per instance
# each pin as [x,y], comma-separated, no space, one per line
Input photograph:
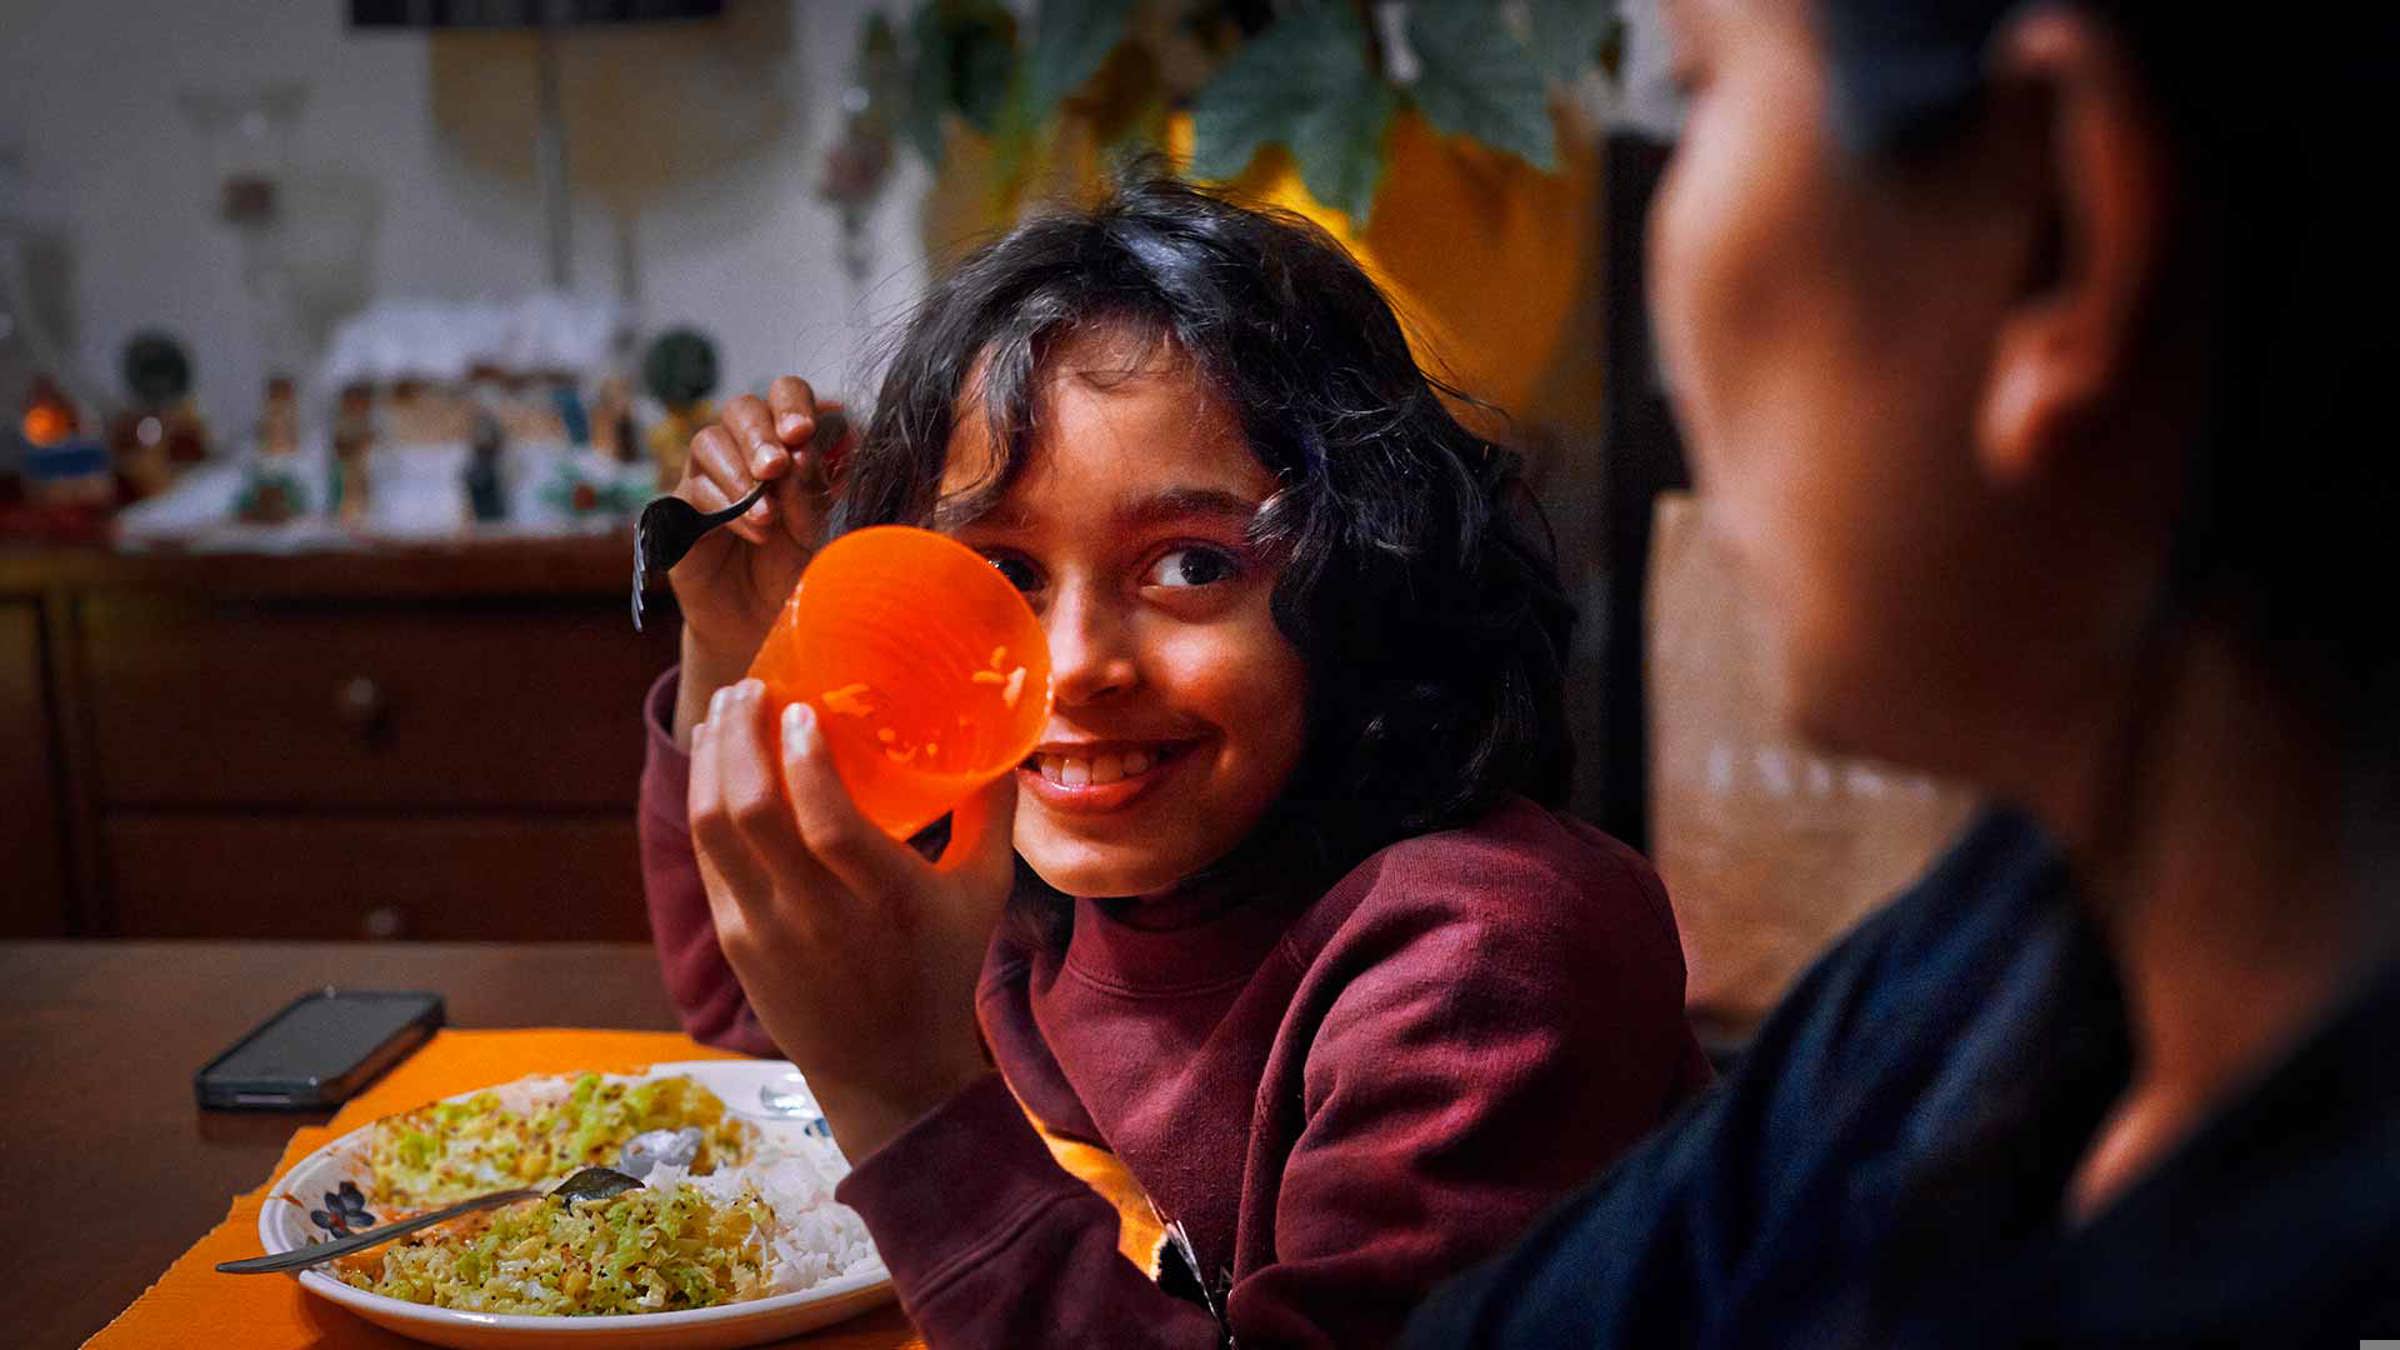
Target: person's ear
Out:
[2071,335]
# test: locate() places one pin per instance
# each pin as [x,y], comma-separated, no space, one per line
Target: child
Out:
[1292,936]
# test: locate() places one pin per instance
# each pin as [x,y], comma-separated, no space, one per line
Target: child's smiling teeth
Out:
[1111,767]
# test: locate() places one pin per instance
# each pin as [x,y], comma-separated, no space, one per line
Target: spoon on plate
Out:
[641,1154]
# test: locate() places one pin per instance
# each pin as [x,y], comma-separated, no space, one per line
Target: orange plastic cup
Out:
[928,671]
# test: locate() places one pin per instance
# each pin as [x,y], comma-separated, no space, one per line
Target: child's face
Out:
[1179,710]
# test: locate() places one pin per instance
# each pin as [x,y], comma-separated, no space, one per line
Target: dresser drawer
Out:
[33,903]
[423,707]
[422,879]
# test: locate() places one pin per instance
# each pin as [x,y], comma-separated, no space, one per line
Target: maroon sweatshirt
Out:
[1343,1101]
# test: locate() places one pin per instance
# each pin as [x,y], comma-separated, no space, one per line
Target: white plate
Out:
[282,1227]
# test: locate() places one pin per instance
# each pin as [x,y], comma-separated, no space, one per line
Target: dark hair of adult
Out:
[1426,606]
[2275,120]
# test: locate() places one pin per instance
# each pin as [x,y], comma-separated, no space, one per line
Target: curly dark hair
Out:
[1418,584]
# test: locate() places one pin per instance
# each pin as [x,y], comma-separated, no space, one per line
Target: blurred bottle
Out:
[680,370]
[160,433]
[64,468]
[353,441]
[612,422]
[271,492]
[486,500]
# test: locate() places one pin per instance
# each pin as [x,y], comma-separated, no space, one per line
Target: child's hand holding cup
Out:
[929,674]
[903,681]
[735,580]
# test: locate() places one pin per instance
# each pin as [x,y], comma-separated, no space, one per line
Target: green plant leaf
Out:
[965,55]
[1570,35]
[928,85]
[1476,80]
[983,61]
[1304,83]
[879,70]
[1070,40]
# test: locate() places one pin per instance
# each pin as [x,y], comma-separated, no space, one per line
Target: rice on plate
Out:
[751,1217]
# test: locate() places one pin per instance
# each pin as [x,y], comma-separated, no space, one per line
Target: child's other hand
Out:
[735,580]
[859,956]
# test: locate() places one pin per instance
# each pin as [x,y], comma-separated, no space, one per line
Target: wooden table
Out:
[112,1170]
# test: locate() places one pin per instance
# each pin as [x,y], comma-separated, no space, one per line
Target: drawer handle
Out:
[384,922]
[361,704]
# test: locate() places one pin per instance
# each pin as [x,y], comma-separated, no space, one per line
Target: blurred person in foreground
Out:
[2024,352]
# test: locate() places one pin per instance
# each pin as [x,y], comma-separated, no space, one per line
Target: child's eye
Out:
[1192,566]
[1019,572]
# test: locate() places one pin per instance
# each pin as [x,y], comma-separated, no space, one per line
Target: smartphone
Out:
[319,1051]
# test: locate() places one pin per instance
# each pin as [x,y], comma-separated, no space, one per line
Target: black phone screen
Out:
[319,1037]
[319,1048]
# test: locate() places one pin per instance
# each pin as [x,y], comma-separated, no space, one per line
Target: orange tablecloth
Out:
[192,1305]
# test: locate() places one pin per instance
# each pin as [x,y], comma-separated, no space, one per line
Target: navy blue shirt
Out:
[1888,1165]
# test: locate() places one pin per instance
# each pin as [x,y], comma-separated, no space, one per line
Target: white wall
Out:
[713,135]
[1646,100]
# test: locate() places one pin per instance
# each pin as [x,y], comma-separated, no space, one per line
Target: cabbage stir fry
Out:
[643,1251]
[439,1154]
[752,1215]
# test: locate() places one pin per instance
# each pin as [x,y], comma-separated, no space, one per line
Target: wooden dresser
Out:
[405,744]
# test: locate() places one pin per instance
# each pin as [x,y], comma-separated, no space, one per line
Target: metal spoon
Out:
[592,1183]
[658,1148]
[669,526]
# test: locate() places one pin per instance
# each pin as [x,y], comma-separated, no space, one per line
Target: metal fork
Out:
[667,530]
[670,526]
[592,1183]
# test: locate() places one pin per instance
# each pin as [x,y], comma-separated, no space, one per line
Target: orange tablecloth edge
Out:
[191,1304]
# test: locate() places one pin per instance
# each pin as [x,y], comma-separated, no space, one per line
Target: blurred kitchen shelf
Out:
[423,742]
